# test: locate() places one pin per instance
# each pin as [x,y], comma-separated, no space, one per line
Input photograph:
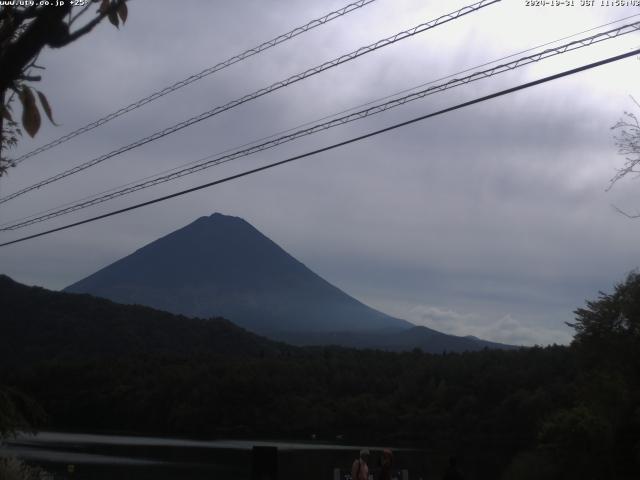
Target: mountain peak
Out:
[220,217]
[222,266]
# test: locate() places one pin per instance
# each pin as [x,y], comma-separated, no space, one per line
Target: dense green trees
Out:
[608,329]
[607,347]
[491,401]
[597,434]
[554,412]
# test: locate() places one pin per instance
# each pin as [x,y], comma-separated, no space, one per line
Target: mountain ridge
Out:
[41,325]
[221,265]
[44,325]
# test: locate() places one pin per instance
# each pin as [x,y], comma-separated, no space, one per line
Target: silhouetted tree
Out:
[628,143]
[24,32]
[609,327]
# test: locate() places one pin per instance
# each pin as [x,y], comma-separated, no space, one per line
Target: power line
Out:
[259,93]
[198,76]
[350,109]
[430,82]
[77,204]
[335,145]
[216,159]
[291,129]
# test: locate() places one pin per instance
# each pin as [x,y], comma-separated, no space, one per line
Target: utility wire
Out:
[326,117]
[198,76]
[335,145]
[350,109]
[259,93]
[217,159]
[431,82]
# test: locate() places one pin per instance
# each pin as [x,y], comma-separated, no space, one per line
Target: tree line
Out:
[554,412]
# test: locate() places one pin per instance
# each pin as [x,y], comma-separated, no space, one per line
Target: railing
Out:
[397,475]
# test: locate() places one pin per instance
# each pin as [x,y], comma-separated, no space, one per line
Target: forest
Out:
[553,412]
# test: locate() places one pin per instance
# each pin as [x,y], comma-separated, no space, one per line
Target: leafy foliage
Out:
[30,113]
[613,318]
[14,469]
[18,412]
[9,134]
[25,29]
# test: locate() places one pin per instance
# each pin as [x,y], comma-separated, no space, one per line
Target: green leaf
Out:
[30,114]
[104,6]
[45,105]
[113,18]
[123,12]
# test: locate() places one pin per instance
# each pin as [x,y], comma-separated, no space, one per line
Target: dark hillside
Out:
[38,324]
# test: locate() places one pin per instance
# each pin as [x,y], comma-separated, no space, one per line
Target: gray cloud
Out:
[505,330]
[496,213]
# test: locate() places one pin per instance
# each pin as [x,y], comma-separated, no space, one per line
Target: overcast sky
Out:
[490,221]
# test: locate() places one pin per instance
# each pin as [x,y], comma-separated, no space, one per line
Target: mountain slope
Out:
[222,266]
[38,324]
[426,339]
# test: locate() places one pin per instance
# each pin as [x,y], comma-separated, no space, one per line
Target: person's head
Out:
[364,454]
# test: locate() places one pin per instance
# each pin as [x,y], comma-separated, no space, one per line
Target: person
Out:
[360,467]
[386,461]
[452,472]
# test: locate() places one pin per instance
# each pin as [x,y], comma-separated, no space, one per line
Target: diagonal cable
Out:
[334,145]
[198,76]
[259,93]
[217,159]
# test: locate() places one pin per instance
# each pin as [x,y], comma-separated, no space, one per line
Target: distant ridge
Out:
[42,325]
[423,338]
[222,266]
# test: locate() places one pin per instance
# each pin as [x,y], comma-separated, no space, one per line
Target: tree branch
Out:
[41,31]
[31,78]
[47,28]
[2,167]
[622,212]
[93,23]
[83,31]
[81,12]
